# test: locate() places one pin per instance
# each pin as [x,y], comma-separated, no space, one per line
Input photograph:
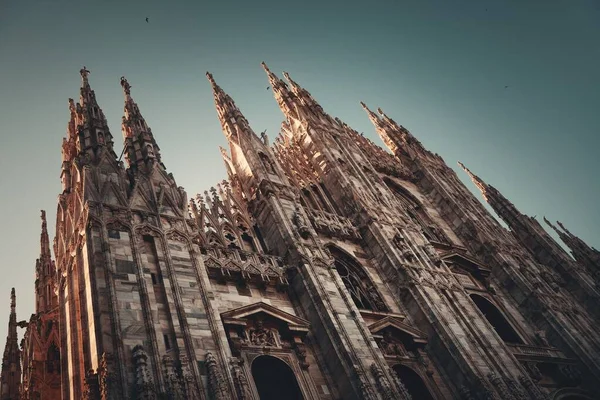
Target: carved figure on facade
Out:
[258,335]
[389,346]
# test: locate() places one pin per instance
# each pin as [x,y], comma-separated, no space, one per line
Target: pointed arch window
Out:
[417,213]
[361,289]
[53,359]
[495,317]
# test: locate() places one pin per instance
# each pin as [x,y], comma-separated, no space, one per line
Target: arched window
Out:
[417,213]
[53,359]
[496,319]
[413,382]
[363,292]
[274,379]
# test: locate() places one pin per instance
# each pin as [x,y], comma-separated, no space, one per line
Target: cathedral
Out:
[324,267]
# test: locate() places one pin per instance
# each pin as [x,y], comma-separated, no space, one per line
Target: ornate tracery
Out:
[363,292]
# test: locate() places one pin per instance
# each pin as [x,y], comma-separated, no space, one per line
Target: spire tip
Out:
[126,86]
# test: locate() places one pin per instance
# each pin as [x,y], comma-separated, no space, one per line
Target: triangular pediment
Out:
[395,323]
[139,200]
[239,316]
[111,194]
[466,263]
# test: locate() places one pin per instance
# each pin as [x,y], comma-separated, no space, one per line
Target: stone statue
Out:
[260,336]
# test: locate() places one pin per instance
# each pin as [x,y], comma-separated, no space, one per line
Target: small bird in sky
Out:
[268,87]
[506,87]
[147,20]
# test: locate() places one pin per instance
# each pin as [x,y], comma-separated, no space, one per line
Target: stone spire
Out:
[395,136]
[581,251]
[251,159]
[286,99]
[389,136]
[11,361]
[87,130]
[45,271]
[141,150]
[231,118]
[305,98]
[501,205]
[481,185]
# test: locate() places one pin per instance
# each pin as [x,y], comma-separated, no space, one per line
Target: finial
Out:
[476,180]
[210,78]
[84,72]
[549,223]
[363,105]
[265,67]
[563,227]
[13,300]
[126,86]
[380,111]
[43,217]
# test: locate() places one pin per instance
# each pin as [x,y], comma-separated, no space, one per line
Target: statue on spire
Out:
[84,75]
[126,86]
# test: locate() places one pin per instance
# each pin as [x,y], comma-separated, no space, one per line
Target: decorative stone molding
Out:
[109,383]
[382,383]
[174,385]
[216,382]
[144,384]
[240,381]
[262,325]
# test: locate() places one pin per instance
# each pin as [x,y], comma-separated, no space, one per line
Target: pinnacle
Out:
[210,78]
[126,87]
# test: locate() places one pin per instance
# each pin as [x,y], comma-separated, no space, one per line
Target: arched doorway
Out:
[274,379]
[496,319]
[413,382]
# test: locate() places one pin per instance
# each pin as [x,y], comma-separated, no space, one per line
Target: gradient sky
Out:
[438,67]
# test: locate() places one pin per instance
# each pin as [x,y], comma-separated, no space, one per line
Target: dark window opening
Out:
[53,359]
[167,342]
[114,234]
[248,242]
[496,319]
[274,379]
[413,382]
[154,280]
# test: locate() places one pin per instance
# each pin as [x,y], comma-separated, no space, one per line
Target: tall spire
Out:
[142,151]
[87,130]
[286,99]
[10,376]
[305,98]
[390,137]
[481,185]
[234,124]
[230,116]
[45,271]
[586,255]
[44,239]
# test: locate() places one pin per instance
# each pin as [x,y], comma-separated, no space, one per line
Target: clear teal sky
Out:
[438,67]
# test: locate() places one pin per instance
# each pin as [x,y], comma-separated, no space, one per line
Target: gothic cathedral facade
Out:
[325,267]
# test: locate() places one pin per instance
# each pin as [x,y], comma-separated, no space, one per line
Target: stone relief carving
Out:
[144,384]
[216,381]
[241,381]
[258,335]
